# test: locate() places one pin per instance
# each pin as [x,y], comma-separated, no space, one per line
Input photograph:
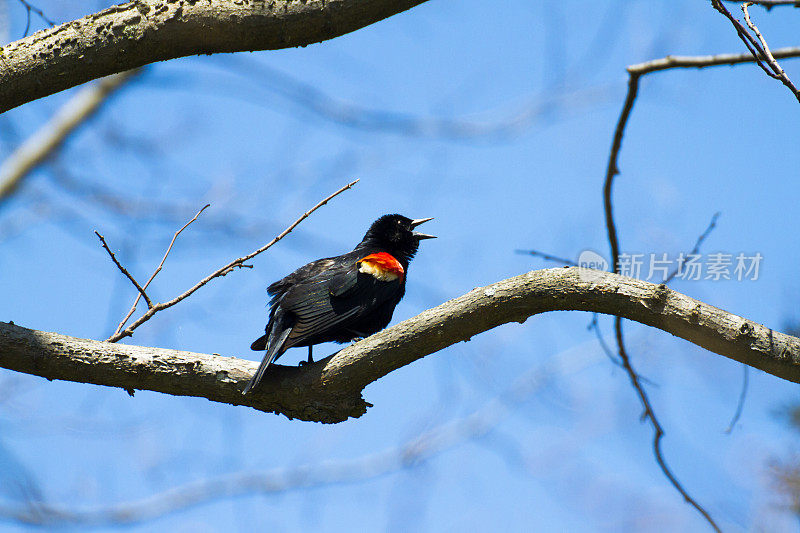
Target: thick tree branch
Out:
[330,390]
[136,33]
[415,452]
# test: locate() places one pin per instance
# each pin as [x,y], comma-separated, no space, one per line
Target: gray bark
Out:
[330,389]
[136,33]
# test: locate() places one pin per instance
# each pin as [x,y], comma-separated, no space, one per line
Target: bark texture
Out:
[330,389]
[136,33]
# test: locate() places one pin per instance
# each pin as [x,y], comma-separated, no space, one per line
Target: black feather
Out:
[332,300]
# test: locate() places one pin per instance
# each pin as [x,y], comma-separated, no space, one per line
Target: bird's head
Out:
[396,234]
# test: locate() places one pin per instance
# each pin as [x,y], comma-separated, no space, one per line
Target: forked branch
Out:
[152,308]
[142,290]
[757,45]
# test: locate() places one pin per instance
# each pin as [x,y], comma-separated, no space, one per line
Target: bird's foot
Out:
[310,359]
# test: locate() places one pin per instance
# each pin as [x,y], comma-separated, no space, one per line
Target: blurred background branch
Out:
[37,148]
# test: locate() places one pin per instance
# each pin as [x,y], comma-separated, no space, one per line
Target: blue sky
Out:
[261,137]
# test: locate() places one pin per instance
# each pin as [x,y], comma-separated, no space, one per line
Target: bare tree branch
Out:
[126,273]
[697,244]
[699,62]
[547,257]
[496,124]
[49,138]
[658,430]
[742,398]
[635,72]
[133,34]
[330,390]
[220,272]
[155,272]
[769,4]
[413,453]
[778,72]
[30,8]
[757,46]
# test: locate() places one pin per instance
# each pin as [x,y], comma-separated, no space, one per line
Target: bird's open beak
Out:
[417,234]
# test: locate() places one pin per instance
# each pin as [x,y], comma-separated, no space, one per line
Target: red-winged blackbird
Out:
[341,298]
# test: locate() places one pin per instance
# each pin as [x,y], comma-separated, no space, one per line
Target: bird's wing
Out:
[342,282]
[310,270]
[329,302]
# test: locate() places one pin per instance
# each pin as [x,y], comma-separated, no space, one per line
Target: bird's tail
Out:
[276,338]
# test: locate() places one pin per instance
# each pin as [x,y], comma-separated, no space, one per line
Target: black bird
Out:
[341,298]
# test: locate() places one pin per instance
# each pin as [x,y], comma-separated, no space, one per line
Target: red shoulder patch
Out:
[382,265]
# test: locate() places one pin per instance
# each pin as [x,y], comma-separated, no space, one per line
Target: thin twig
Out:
[700,62]
[157,270]
[779,72]
[658,431]
[769,4]
[696,248]
[31,8]
[757,46]
[125,271]
[752,45]
[220,272]
[635,72]
[612,170]
[595,325]
[760,37]
[547,257]
[742,398]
